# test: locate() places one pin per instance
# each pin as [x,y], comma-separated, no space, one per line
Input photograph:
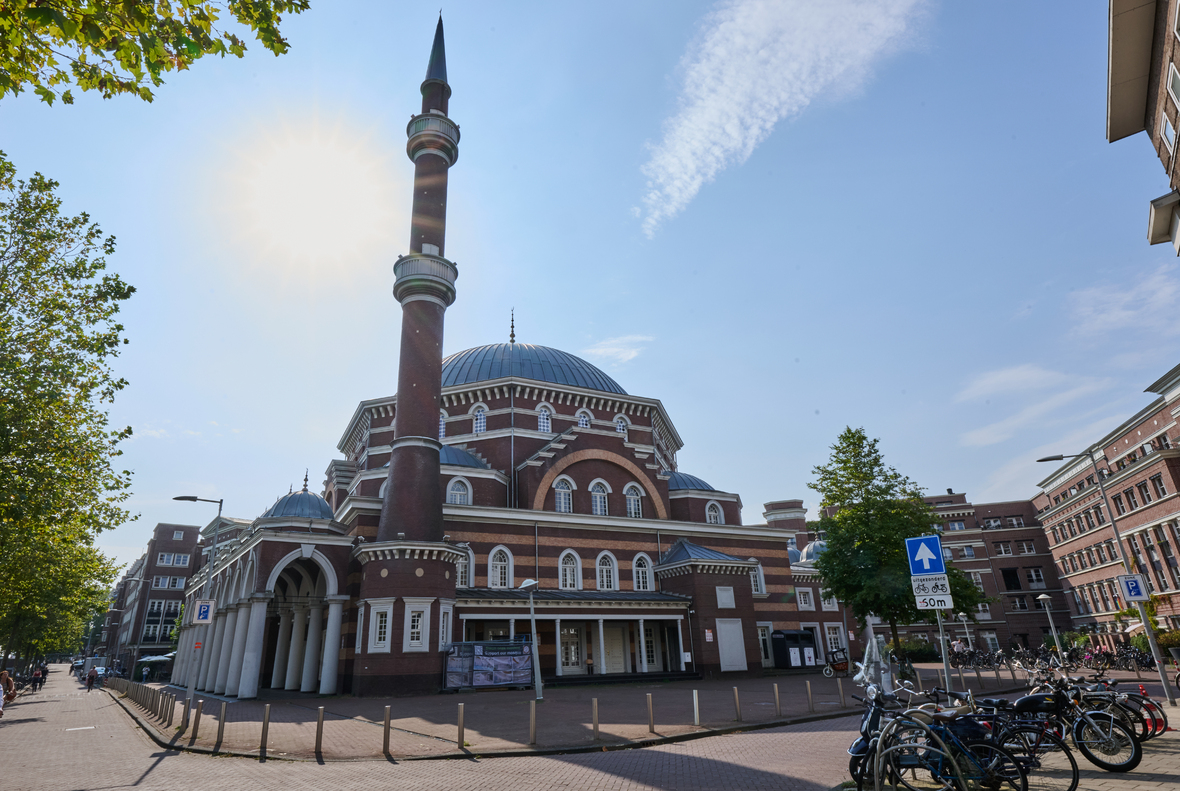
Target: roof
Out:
[566,595]
[302,504]
[1128,66]
[526,361]
[459,457]
[684,550]
[682,480]
[436,69]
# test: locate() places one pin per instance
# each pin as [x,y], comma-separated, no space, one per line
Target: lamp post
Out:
[530,585]
[1155,649]
[1048,604]
[192,676]
[966,631]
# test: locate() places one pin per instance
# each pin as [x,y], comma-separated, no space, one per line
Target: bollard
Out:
[1135,662]
[696,709]
[221,724]
[171,709]
[265,732]
[594,716]
[778,705]
[737,705]
[1012,670]
[385,742]
[184,712]
[810,701]
[319,731]
[979,678]
[533,721]
[918,673]
[197,718]
[462,741]
[156,703]
[651,718]
[962,679]
[998,682]
[840,686]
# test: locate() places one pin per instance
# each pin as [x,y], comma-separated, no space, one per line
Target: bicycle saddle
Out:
[994,703]
[957,695]
[946,716]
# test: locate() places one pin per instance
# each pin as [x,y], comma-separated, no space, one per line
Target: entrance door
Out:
[731,644]
[615,648]
[764,646]
[655,657]
[572,661]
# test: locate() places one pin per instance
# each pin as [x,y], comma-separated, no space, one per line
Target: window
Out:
[458,493]
[544,423]
[160,582]
[804,599]
[569,572]
[1168,132]
[634,504]
[1020,603]
[713,514]
[498,576]
[176,582]
[1089,520]
[416,628]
[757,584]
[1016,521]
[416,632]
[442,427]
[642,573]
[165,559]
[463,571]
[155,607]
[835,637]
[996,524]
[1132,503]
[1090,558]
[606,573]
[180,560]
[1056,537]
[977,578]
[1002,548]
[583,420]
[1073,563]
[948,553]
[1101,551]
[563,497]
[1098,514]
[984,610]
[1036,578]
[381,627]
[830,604]
[1144,494]
[598,499]
[1026,547]
[955,526]
[1011,579]
[150,632]
[178,535]
[481,421]
[967,552]
[1157,483]
[444,629]
[621,426]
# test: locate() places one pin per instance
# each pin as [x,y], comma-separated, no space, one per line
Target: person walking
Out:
[91,677]
[37,679]
[7,690]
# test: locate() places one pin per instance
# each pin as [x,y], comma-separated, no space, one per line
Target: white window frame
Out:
[720,513]
[360,625]
[642,556]
[557,494]
[479,418]
[377,608]
[442,425]
[180,560]
[467,495]
[446,623]
[614,570]
[178,535]
[1173,79]
[176,583]
[800,593]
[634,501]
[757,579]
[459,582]
[961,525]
[511,570]
[599,502]
[417,604]
[967,552]
[830,604]
[577,569]
[164,559]
[545,418]
[622,424]
[585,418]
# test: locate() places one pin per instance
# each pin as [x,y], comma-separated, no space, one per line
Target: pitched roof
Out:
[684,550]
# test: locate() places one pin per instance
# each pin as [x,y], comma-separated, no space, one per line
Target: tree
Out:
[868,510]
[118,46]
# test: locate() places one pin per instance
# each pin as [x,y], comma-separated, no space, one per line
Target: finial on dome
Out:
[291,488]
[512,328]
[305,480]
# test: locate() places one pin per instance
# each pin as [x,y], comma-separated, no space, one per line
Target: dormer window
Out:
[458,493]
[713,514]
[563,497]
[544,423]
[480,422]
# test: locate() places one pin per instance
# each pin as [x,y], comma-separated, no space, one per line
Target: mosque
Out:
[496,465]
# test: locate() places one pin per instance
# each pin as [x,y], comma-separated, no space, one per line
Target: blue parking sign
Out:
[203,612]
[1134,587]
[925,554]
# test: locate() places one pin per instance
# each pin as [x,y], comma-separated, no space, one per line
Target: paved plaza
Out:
[65,739]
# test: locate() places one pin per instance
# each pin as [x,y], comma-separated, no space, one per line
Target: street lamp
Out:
[966,631]
[1155,649]
[531,585]
[1047,601]
[192,676]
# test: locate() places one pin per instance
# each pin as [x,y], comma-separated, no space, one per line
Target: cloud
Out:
[1019,381]
[1147,306]
[154,433]
[756,63]
[618,350]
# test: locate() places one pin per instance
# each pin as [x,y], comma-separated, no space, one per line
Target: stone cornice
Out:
[408,550]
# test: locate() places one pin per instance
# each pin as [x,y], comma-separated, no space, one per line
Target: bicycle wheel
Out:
[1107,743]
[991,768]
[828,672]
[1129,715]
[1151,712]
[1046,759]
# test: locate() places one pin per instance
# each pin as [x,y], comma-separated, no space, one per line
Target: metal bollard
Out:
[962,679]
[184,710]
[998,682]
[696,709]
[979,678]
[1135,662]
[462,741]
[197,718]
[737,705]
[918,673]
[221,724]
[840,686]
[319,731]
[778,706]
[1012,670]
[651,719]
[265,732]
[171,709]
[594,716]
[533,721]
[810,702]
[385,741]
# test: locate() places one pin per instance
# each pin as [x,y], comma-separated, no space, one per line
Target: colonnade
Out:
[233,647]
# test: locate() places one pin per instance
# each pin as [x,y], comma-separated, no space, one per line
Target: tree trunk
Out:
[896,641]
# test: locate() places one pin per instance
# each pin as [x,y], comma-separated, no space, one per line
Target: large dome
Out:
[302,504]
[526,361]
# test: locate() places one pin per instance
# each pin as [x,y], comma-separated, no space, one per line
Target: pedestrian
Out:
[36,679]
[7,690]
[91,677]
[145,673]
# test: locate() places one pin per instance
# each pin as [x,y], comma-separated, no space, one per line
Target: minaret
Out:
[425,286]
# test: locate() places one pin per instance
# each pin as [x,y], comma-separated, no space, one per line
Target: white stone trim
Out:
[577,569]
[511,568]
[446,623]
[470,490]
[590,487]
[377,607]
[606,553]
[651,572]
[417,604]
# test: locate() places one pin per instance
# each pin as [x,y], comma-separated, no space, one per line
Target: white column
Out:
[680,641]
[279,675]
[295,654]
[627,648]
[332,645]
[601,649]
[255,644]
[210,652]
[511,628]
[558,621]
[237,650]
[311,654]
[642,648]
[224,648]
[181,657]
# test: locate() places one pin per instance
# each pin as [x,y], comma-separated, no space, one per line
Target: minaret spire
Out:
[512,328]
[436,69]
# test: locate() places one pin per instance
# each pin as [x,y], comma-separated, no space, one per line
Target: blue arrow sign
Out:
[925,555]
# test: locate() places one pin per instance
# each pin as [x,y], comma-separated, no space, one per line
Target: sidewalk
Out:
[497,721]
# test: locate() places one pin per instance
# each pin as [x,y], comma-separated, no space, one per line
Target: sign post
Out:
[931,587]
[202,616]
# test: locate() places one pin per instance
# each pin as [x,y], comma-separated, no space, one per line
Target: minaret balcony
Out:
[433,133]
[424,276]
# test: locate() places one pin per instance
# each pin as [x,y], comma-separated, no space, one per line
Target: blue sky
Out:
[778,218]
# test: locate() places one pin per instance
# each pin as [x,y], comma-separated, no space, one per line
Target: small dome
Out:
[793,555]
[682,480]
[459,458]
[811,553]
[302,504]
[526,361]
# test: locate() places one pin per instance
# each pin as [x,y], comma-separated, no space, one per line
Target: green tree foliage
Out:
[58,485]
[868,511]
[119,46]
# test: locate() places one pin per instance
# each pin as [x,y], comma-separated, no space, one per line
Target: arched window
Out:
[463,571]
[606,573]
[498,576]
[634,504]
[569,571]
[621,426]
[442,427]
[713,514]
[543,421]
[481,421]
[458,493]
[564,497]
[598,499]
[757,579]
[642,572]
[583,420]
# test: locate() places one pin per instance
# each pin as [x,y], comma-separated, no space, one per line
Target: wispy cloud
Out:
[1018,477]
[756,63]
[1048,390]
[618,350]
[1005,381]
[1148,305]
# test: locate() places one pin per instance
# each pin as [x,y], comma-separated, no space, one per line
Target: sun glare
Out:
[314,197]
